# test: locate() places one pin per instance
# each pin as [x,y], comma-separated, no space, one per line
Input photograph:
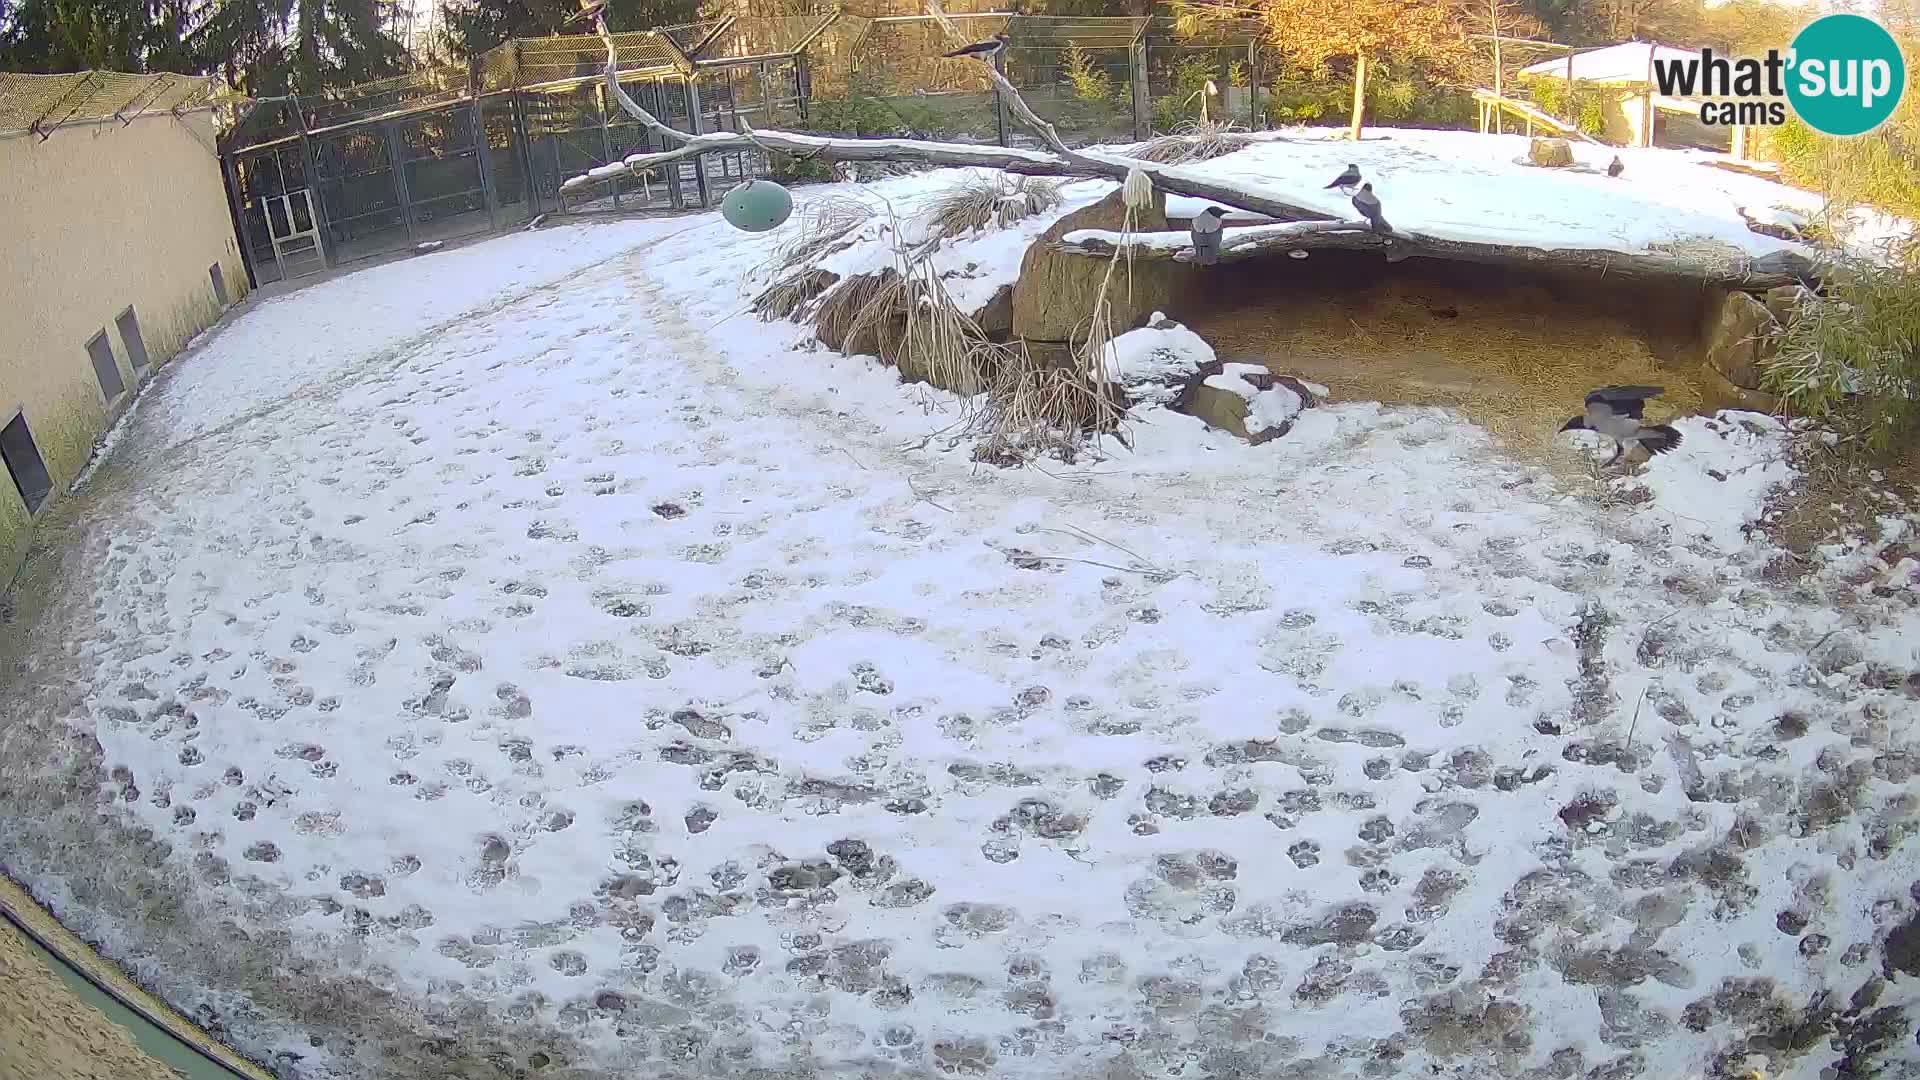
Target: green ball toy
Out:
[757,206]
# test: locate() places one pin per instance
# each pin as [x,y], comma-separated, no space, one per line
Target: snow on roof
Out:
[1625,62]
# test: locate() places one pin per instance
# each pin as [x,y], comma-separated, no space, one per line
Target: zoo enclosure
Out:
[439,154]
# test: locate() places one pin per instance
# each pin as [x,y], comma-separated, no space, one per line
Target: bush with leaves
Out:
[1851,357]
[854,116]
[1182,102]
[1589,105]
[1088,80]
[1301,97]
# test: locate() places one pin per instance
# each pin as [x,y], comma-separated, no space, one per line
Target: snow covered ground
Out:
[609,684]
[1461,185]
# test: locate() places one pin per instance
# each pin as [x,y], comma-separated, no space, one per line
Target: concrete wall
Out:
[94,219]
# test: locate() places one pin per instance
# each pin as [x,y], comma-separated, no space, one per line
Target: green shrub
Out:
[857,115]
[1090,81]
[1406,99]
[789,169]
[1852,358]
[1589,105]
[1180,104]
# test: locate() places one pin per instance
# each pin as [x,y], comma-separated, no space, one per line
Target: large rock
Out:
[996,318]
[1056,291]
[1248,401]
[1782,302]
[1736,328]
[1549,153]
[1717,393]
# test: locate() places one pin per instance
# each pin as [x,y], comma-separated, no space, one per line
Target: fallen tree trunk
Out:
[1011,159]
[1061,160]
[1733,272]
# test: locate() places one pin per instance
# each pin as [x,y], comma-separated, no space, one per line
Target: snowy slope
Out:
[610,684]
[292,344]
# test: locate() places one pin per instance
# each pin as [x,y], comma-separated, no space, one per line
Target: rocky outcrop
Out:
[1737,335]
[1055,293]
[1248,401]
[1549,153]
[996,318]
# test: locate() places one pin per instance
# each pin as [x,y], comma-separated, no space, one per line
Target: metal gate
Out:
[278,224]
[297,248]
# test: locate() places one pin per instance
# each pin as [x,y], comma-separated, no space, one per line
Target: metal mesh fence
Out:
[443,152]
[1180,65]
[44,102]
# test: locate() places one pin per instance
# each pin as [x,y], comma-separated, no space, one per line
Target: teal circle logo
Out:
[1845,75]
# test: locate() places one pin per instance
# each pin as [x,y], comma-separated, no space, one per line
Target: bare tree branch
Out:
[1061,160]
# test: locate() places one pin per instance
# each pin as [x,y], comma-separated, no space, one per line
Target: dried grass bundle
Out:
[824,225]
[790,296]
[844,309]
[985,200]
[1199,140]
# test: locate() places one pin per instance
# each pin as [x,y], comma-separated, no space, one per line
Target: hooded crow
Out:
[1369,206]
[1616,166]
[981,50]
[1346,179]
[1617,412]
[587,13]
[1206,235]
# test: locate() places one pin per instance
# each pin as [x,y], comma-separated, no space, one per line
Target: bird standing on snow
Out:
[981,50]
[1369,206]
[1617,412]
[1616,166]
[1206,235]
[1346,179]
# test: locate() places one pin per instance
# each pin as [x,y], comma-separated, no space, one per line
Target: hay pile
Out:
[1201,140]
[1498,358]
[987,200]
[1016,403]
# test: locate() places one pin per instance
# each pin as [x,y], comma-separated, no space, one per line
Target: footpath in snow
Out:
[606,683]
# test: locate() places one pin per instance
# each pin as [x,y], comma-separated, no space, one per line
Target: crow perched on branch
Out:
[1369,206]
[1206,235]
[981,50]
[1617,412]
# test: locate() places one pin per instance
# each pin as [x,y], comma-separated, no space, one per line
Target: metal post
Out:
[1646,130]
[606,139]
[1255,116]
[487,194]
[309,165]
[397,157]
[1142,107]
[1573,111]
[657,104]
[1000,117]
[517,146]
[800,85]
[231,182]
[695,126]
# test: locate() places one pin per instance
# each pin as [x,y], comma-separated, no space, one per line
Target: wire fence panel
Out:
[43,103]
[359,193]
[1204,76]
[446,191]
[505,160]
[440,152]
